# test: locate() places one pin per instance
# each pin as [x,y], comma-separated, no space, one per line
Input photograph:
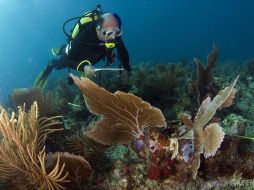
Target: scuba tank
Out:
[93,15]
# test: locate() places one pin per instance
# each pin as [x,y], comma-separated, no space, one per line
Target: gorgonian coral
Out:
[204,75]
[22,156]
[213,136]
[208,138]
[24,163]
[124,116]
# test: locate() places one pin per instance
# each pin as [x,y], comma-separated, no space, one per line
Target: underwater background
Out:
[183,121]
[154,31]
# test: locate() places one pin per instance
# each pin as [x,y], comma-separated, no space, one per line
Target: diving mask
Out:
[110,33]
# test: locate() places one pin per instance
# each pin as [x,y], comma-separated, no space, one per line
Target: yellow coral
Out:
[22,156]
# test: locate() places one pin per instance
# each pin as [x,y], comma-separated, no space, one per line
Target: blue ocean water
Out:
[154,31]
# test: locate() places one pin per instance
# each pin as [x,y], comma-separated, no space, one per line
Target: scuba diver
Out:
[93,38]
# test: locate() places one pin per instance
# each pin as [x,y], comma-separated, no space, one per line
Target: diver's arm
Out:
[124,58]
[123,55]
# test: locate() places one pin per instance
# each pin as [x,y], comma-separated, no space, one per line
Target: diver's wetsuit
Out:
[86,47]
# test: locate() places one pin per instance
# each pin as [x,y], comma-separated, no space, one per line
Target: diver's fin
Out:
[55,51]
[38,81]
[42,79]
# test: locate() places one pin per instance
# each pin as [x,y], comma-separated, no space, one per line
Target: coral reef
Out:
[110,80]
[122,120]
[62,94]
[174,130]
[160,84]
[24,163]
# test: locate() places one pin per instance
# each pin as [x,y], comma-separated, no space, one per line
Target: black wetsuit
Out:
[86,46]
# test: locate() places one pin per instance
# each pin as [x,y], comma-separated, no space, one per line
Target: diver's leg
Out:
[59,51]
[42,78]
[62,63]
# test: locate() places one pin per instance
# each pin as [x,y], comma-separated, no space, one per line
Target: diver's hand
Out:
[89,71]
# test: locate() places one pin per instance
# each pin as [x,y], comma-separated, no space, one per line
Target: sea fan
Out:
[22,156]
[213,137]
[186,120]
[208,108]
[230,100]
[210,138]
[124,116]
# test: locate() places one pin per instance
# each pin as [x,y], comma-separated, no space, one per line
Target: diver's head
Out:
[109,28]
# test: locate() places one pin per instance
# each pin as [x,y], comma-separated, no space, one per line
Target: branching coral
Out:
[208,139]
[22,156]
[124,116]
[208,135]
[204,75]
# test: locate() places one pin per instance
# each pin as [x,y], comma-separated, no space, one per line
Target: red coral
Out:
[154,172]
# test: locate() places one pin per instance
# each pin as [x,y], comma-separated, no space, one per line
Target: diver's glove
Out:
[89,71]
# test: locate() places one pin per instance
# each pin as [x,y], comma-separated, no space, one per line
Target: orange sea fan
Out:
[124,115]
